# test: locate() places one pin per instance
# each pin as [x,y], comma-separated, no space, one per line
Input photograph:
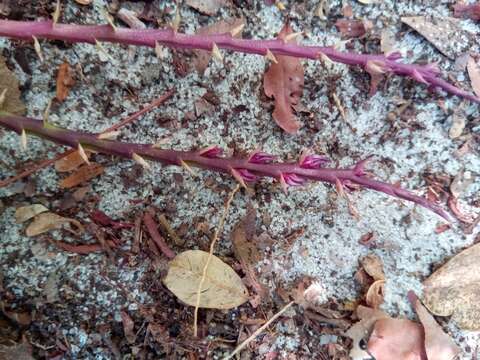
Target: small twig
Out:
[156,237]
[210,254]
[60,156]
[259,330]
[164,222]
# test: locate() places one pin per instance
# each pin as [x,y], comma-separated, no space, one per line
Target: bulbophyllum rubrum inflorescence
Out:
[309,167]
[376,65]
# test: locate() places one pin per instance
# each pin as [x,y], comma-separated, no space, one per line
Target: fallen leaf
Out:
[128,326]
[454,289]
[461,182]
[65,80]
[9,91]
[353,28]
[245,250]
[444,33]
[25,213]
[284,81]
[21,351]
[474,73]
[397,339]
[373,265]
[438,345]
[83,174]
[202,57]
[387,42]
[467,11]
[458,124]
[48,221]
[70,162]
[208,7]
[361,330]
[222,288]
[375,294]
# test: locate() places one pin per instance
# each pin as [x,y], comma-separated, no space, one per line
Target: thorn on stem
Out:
[237,30]
[23,140]
[56,13]
[109,19]
[216,53]
[38,49]
[188,168]
[175,24]
[292,36]
[140,160]
[83,154]
[3,97]
[110,135]
[102,50]
[269,55]
[46,113]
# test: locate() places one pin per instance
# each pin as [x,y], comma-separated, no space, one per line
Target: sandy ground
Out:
[328,250]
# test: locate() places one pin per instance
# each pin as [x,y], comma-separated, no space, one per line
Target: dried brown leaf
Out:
[373,266]
[25,213]
[444,33]
[83,174]
[438,345]
[360,331]
[473,69]
[9,88]
[454,289]
[70,162]
[208,7]
[65,80]
[202,57]
[375,294]
[48,221]
[128,327]
[350,28]
[222,288]
[397,339]
[284,81]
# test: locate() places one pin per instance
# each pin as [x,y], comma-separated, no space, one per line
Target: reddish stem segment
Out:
[156,237]
[375,65]
[127,120]
[243,169]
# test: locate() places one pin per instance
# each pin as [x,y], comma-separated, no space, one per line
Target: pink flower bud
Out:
[246,175]
[293,179]
[313,161]
[211,152]
[260,157]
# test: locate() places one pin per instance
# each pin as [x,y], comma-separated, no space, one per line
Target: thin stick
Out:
[156,237]
[259,330]
[210,254]
[127,120]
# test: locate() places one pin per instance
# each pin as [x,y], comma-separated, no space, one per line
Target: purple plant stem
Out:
[203,159]
[374,64]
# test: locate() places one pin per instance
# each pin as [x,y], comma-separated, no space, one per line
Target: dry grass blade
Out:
[212,247]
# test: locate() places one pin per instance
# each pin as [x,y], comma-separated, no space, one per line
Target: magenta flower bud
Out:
[211,152]
[260,157]
[293,179]
[313,161]
[246,175]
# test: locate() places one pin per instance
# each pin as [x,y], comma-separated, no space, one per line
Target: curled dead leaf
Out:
[373,266]
[9,91]
[128,327]
[84,173]
[396,339]
[284,81]
[65,80]
[454,289]
[48,221]
[25,213]
[473,69]
[375,294]
[438,345]
[202,57]
[222,288]
[70,162]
